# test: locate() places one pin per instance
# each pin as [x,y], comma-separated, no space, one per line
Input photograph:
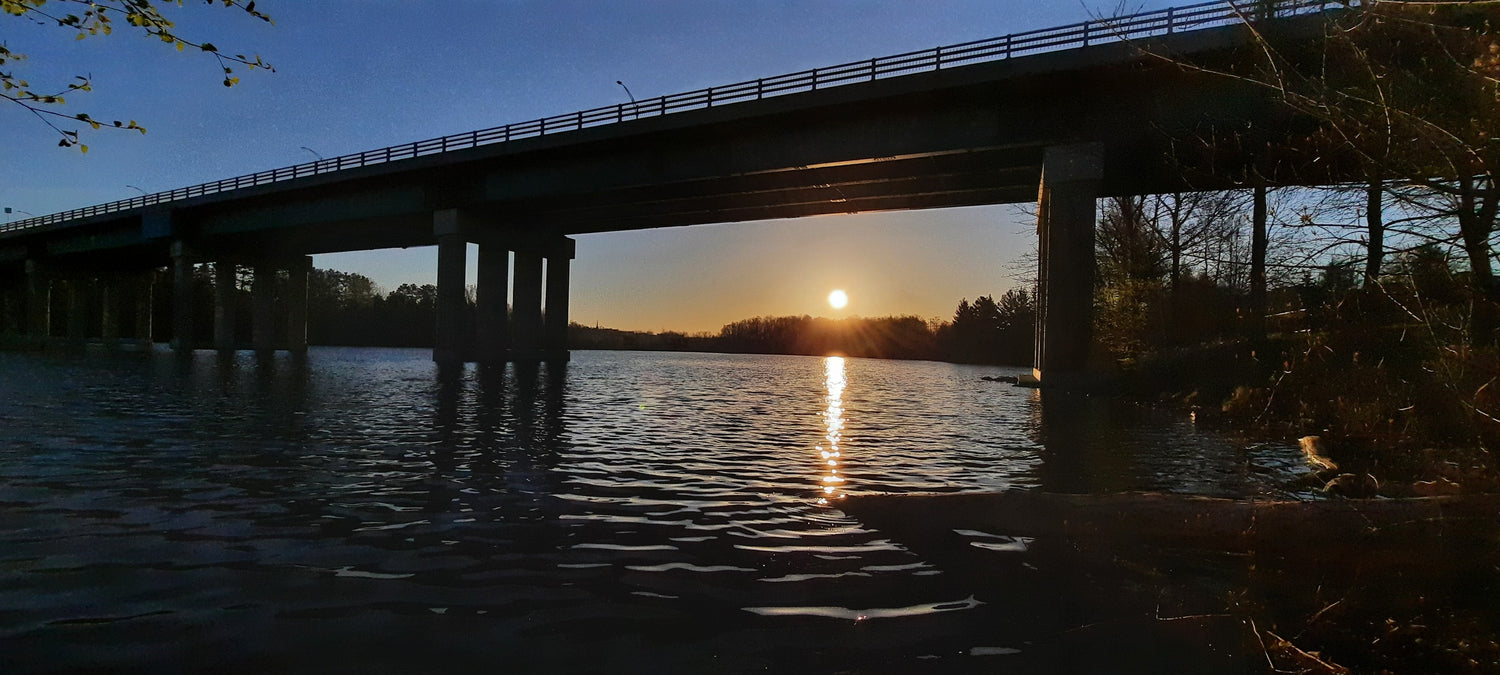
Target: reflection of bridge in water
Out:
[1081,111]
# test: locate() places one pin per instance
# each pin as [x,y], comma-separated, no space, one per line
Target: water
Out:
[626,512]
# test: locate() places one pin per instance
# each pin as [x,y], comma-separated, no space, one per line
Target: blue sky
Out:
[356,75]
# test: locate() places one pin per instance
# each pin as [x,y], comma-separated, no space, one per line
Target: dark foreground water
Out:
[361,512]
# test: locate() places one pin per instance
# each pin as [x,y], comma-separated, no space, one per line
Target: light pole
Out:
[632,98]
[314,152]
[143,192]
[9,210]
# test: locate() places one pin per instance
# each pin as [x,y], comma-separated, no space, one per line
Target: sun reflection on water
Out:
[833,421]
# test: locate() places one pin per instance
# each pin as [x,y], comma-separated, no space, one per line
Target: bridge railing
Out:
[1082,34]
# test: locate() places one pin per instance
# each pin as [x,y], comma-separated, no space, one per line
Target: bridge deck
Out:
[956,125]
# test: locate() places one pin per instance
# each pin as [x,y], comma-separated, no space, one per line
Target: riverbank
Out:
[1303,587]
[1383,415]
[1394,420]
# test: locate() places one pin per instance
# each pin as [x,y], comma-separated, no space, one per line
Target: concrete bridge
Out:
[1062,116]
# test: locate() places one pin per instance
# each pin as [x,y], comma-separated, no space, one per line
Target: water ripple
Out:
[271,510]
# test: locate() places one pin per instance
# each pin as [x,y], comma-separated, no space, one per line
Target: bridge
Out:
[1060,116]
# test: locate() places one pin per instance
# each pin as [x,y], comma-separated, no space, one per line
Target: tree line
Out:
[984,331]
[343,309]
[349,309]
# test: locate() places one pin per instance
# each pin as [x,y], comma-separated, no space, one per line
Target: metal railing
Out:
[1082,34]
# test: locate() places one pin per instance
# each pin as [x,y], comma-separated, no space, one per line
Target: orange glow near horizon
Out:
[700,278]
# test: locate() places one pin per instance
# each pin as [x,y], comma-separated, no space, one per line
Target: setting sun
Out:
[837,299]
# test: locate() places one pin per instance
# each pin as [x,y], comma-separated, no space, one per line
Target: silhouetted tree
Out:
[1127,243]
[1185,221]
[986,331]
[1405,94]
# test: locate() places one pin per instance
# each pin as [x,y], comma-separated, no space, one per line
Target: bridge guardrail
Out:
[1081,34]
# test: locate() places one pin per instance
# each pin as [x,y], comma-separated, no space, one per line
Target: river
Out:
[629,511]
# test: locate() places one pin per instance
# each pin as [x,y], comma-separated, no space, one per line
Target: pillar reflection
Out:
[1085,443]
[833,422]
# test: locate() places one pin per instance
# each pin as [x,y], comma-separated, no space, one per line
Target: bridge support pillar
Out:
[1066,206]
[296,305]
[143,309]
[555,329]
[494,321]
[182,299]
[225,278]
[449,344]
[526,318]
[109,312]
[520,334]
[16,308]
[9,322]
[78,307]
[38,302]
[263,306]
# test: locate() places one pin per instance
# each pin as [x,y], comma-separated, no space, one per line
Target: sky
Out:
[353,75]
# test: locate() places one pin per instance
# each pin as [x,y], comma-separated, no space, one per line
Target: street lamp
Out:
[314,152]
[632,98]
[9,210]
[143,192]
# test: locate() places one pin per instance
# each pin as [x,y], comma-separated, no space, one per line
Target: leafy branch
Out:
[99,17]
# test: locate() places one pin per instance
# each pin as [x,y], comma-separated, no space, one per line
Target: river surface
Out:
[627,512]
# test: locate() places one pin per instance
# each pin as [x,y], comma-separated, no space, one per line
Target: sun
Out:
[837,299]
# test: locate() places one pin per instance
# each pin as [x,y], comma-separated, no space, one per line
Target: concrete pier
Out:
[263,308]
[225,279]
[182,299]
[38,302]
[449,344]
[526,314]
[296,305]
[78,307]
[10,323]
[143,309]
[498,333]
[1066,208]
[109,312]
[494,285]
[555,318]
